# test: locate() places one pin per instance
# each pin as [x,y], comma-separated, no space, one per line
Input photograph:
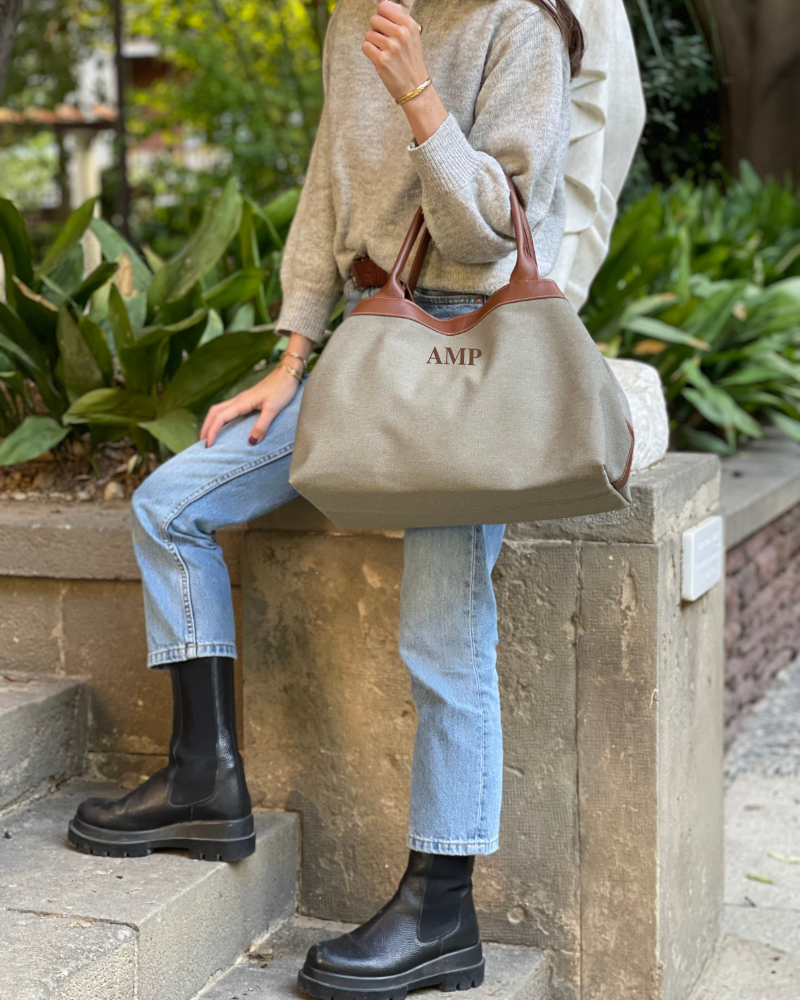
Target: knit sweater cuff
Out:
[445,162]
[305,312]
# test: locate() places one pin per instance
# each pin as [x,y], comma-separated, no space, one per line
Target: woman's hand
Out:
[271,395]
[394,48]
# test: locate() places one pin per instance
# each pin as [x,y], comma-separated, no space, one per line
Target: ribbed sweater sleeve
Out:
[310,278]
[519,123]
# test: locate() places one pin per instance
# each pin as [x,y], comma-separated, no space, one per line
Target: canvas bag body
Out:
[506,414]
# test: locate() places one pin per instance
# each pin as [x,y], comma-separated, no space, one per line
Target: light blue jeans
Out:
[448,618]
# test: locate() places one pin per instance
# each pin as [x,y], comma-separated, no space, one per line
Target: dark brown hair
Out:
[570,28]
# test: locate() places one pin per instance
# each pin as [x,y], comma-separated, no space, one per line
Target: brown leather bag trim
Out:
[520,291]
[618,484]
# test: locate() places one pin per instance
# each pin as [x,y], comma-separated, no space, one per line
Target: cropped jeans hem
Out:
[191,651]
[458,847]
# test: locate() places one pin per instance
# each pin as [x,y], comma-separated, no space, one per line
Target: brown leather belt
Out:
[367,274]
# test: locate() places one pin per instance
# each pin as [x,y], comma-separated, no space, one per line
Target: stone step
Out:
[269,971]
[42,732]
[154,928]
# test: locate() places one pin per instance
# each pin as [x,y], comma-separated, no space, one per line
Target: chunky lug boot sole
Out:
[460,970]
[206,840]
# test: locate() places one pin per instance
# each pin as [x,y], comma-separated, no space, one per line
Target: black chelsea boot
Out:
[426,935]
[199,801]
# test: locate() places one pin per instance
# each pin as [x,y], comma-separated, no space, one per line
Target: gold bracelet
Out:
[413,93]
[294,354]
[294,372]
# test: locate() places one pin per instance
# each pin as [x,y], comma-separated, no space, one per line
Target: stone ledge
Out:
[86,542]
[679,491]
[759,484]
[92,542]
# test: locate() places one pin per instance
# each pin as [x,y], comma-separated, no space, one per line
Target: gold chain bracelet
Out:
[413,93]
[294,372]
[294,354]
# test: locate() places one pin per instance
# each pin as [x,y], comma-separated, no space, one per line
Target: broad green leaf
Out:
[13,327]
[69,237]
[281,210]
[102,273]
[154,334]
[243,319]
[80,370]
[114,407]
[18,353]
[791,428]
[650,327]
[213,366]
[720,409]
[152,258]
[39,315]
[218,226]
[214,328]
[238,287]
[65,279]
[14,245]
[705,441]
[96,341]
[177,429]
[114,245]
[119,321]
[34,436]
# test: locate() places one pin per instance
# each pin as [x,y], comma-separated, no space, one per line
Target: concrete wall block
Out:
[30,625]
[94,630]
[618,645]
[690,787]
[329,720]
[528,892]
[330,725]
[42,733]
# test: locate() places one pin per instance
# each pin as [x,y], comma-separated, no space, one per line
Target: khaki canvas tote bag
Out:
[509,413]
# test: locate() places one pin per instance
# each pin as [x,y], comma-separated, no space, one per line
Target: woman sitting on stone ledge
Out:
[489,99]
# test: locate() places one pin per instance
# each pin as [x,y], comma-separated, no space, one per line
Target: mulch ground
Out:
[71,475]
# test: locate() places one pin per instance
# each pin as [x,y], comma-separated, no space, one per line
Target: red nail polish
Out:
[252,440]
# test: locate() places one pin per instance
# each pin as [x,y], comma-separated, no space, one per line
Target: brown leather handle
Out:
[526,268]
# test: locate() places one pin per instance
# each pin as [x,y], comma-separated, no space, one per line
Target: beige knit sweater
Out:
[501,70]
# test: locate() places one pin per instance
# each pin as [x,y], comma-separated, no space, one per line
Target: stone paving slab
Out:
[42,732]
[762,817]
[65,958]
[769,925]
[749,970]
[270,972]
[193,918]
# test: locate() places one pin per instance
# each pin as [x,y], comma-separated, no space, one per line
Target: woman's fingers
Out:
[393,12]
[261,426]
[223,414]
[379,41]
[387,28]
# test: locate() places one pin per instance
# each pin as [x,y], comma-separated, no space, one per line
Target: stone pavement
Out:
[759,954]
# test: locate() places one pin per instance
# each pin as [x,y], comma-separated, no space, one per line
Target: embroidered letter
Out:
[474,353]
[458,359]
[434,356]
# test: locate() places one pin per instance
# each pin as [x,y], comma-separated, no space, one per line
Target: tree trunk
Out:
[10,11]
[757,48]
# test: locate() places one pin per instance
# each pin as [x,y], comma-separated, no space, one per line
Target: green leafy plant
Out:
[705,285]
[137,348]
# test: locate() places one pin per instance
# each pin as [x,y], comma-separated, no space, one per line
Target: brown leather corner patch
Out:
[620,483]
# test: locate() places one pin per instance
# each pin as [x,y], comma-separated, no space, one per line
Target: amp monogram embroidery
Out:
[454,357]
